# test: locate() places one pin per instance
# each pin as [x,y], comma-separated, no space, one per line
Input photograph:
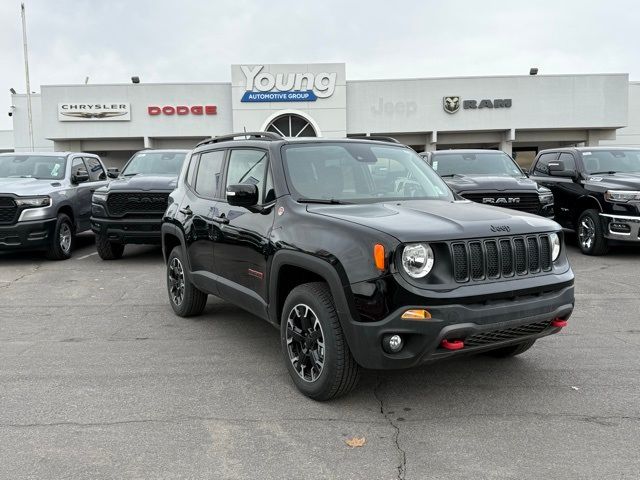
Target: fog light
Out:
[392,343]
[619,228]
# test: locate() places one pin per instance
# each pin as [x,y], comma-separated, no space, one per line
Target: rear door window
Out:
[209,174]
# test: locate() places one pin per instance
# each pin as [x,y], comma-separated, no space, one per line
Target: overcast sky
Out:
[190,40]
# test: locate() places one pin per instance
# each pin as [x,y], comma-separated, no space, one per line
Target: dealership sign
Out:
[182,110]
[94,112]
[286,87]
[452,103]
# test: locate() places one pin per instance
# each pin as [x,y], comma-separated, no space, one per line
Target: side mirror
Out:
[81,176]
[557,169]
[242,195]
[113,172]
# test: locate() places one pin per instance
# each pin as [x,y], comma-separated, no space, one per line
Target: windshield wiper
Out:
[129,174]
[610,172]
[328,201]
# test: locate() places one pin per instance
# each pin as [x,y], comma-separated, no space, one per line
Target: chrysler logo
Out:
[451,104]
[93,115]
[501,200]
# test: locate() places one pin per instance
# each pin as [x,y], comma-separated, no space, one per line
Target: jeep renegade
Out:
[360,254]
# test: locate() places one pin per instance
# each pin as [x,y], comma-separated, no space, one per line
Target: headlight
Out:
[545,197]
[417,259]
[555,246]
[31,202]
[99,197]
[622,195]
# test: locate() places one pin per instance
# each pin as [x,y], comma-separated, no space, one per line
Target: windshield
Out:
[46,167]
[155,163]
[485,163]
[360,172]
[606,161]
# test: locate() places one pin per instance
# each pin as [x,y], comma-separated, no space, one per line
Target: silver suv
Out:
[45,199]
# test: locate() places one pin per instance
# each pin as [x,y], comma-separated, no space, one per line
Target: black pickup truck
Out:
[596,192]
[360,254]
[491,177]
[129,209]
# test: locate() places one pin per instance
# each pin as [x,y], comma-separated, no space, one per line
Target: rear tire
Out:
[313,344]
[591,234]
[186,300]
[61,244]
[108,250]
[511,350]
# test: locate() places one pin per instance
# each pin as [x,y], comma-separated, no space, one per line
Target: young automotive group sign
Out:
[262,86]
[94,112]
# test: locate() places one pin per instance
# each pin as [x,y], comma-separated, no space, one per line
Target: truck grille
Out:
[486,338]
[124,203]
[494,258]
[8,210]
[524,202]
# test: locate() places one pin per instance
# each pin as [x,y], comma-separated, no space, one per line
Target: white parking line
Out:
[86,256]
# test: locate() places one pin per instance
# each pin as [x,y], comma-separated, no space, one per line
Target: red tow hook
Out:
[559,323]
[452,344]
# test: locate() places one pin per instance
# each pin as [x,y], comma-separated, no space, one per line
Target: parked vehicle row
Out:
[363,253]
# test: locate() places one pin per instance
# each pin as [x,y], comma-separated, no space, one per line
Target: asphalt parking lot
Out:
[99,379]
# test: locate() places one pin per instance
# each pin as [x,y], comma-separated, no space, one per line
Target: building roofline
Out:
[476,77]
[136,85]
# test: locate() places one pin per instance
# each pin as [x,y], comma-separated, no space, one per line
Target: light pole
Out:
[26,74]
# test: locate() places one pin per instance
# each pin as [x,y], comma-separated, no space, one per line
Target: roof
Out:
[41,154]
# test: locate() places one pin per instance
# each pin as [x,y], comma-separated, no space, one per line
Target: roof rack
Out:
[247,135]
[378,138]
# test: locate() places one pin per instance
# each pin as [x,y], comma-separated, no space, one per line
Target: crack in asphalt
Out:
[402,466]
[7,284]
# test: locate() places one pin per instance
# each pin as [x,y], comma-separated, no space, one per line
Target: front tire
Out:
[591,234]
[108,250]
[511,350]
[186,300]
[61,244]
[313,344]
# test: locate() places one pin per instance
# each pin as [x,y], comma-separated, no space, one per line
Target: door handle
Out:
[186,211]
[221,219]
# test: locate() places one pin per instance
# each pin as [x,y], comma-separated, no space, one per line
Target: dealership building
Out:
[517,114]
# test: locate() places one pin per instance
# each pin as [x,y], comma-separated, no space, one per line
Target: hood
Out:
[437,220]
[28,186]
[143,182]
[483,183]
[614,181]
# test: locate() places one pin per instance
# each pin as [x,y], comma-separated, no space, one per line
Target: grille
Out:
[504,257]
[495,336]
[524,202]
[123,203]
[8,210]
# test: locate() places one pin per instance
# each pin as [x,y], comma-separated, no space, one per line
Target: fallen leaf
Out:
[356,442]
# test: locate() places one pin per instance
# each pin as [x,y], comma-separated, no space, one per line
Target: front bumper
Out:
[27,235]
[492,324]
[621,227]
[144,231]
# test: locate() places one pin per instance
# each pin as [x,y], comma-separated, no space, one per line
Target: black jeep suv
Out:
[596,193]
[360,254]
[491,177]
[129,209]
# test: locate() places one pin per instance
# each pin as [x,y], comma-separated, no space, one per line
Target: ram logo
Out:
[451,104]
[501,200]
